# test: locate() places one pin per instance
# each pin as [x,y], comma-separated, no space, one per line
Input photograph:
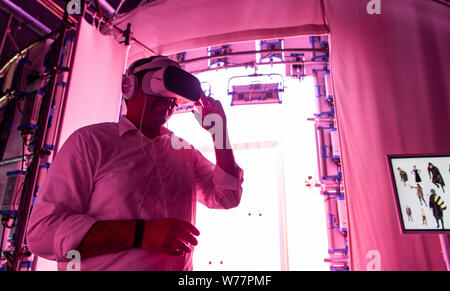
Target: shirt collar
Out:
[125,125]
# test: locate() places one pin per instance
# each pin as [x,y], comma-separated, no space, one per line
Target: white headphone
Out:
[130,81]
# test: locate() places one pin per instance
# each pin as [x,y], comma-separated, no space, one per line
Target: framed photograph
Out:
[421,190]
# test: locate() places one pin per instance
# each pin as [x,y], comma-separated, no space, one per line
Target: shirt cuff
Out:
[70,234]
[227,181]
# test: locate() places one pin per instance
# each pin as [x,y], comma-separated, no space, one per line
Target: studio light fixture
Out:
[256,89]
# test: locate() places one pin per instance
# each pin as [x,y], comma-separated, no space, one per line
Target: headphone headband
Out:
[155,63]
[129,79]
[161,77]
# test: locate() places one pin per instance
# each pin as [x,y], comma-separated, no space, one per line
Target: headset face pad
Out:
[163,78]
[171,81]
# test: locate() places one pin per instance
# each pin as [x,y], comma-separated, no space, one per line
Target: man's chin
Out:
[161,121]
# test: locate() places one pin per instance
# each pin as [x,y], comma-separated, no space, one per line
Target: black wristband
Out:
[139,233]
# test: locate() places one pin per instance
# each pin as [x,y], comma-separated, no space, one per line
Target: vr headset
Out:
[164,78]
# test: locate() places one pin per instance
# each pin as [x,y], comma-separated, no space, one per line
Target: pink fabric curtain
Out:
[171,26]
[390,73]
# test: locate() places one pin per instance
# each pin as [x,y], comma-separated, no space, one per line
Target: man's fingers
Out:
[183,225]
[173,252]
[187,237]
[176,248]
[170,236]
[179,245]
[203,98]
[198,116]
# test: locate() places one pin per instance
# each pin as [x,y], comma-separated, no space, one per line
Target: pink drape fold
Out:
[172,26]
[389,74]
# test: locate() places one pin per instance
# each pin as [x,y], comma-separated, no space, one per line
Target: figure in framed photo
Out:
[424,217]
[416,172]
[403,176]
[438,206]
[435,176]
[419,194]
[409,213]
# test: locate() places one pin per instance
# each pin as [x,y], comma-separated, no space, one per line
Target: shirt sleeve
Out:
[58,222]
[216,188]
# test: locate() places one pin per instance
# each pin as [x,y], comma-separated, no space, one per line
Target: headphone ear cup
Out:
[129,86]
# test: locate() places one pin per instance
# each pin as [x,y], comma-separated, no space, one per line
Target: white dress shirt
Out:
[111,171]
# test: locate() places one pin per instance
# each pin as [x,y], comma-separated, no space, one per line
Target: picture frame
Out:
[420,196]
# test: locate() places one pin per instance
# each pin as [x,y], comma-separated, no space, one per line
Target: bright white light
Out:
[280,224]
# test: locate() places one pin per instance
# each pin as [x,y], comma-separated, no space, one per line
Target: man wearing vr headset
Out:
[122,194]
